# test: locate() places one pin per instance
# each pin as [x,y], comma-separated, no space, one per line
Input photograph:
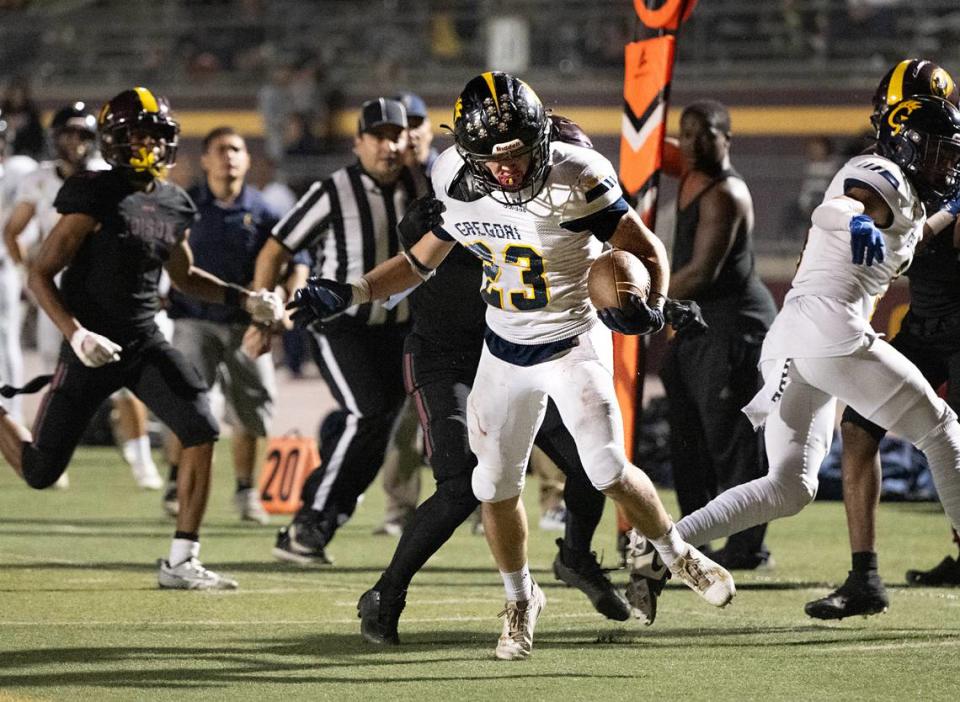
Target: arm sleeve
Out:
[307,221]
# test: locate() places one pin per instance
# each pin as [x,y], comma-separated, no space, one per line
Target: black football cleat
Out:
[301,543]
[583,572]
[861,593]
[379,617]
[944,574]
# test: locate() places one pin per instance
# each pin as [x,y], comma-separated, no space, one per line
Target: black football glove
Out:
[422,215]
[636,319]
[320,299]
[684,316]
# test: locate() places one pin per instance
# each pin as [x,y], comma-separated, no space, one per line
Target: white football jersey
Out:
[40,189]
[535,261]
[827,310]
[13,170]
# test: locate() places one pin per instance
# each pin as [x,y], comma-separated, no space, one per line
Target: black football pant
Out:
[438,381]
[708,378]
[151,368]
[363,369]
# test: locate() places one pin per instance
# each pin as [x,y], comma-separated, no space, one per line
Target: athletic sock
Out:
[864,561]
[244,484]
[185,545]
[174,469]
[518,585]
[670,546]
[137,451]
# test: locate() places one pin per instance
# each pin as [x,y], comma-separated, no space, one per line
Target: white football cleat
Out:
[519,621]
[705,577]
[62,483]
[247,503]
[146,477]
[191,575]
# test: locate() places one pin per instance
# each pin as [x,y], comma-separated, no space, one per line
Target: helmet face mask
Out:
[922,136]
[498,119]
[138,134]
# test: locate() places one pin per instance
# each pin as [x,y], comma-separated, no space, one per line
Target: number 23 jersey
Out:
[535,256]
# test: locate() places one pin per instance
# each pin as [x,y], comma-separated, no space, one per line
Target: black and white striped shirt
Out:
[349,224]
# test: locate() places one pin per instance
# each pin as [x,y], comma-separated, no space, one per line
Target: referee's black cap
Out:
[381,111]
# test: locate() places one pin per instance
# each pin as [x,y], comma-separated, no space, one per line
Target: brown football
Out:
[613,276]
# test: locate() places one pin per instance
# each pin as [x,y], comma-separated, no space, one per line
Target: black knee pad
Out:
[41,470]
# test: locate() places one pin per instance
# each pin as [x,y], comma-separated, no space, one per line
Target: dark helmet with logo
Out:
[922,136]
[912,78]
[498,116]
[138,112]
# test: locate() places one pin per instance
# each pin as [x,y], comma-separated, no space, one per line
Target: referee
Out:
[348,221]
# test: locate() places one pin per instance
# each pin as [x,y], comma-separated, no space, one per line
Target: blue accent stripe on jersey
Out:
[605,185]
[857,183]
[601,224]
[526,354]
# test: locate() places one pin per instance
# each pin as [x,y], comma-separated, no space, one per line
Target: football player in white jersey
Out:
[537,214]
[73,134]
[821,347]
[12,170]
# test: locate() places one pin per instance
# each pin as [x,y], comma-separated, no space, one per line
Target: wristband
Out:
[361,291]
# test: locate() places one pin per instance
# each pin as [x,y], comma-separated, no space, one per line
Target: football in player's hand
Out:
[614,276]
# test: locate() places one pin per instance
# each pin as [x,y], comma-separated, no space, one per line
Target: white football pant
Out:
[508,402]
[880,384]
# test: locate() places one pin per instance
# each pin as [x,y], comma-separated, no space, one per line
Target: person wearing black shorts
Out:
[440,361]
[118,229]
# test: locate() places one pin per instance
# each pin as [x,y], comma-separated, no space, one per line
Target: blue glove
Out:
[865,239]
[320,300]
[684,316]
[952,203]
[636,319]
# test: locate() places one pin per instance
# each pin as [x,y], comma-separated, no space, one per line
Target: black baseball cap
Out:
[375,113]
[415,105]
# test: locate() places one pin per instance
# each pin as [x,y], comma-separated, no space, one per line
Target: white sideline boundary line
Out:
[217,623]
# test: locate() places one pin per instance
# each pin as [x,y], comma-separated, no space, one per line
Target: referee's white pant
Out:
[880,384]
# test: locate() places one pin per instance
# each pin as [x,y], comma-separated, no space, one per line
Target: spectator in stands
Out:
[25,133]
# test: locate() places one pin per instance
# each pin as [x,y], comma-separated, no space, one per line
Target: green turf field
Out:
[81,618]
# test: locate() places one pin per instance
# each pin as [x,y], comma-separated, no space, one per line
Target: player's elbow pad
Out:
[835,214]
